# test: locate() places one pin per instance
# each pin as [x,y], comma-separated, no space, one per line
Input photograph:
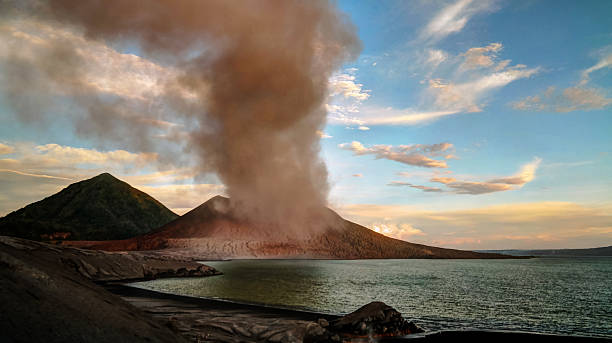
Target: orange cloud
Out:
[517,226]
[415,155]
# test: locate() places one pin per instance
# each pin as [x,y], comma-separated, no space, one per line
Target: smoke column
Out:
[258,70]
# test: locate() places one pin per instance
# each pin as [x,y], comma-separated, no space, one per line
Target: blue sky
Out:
[467,124]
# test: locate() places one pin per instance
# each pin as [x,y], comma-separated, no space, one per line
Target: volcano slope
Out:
[100,208]
[210,232]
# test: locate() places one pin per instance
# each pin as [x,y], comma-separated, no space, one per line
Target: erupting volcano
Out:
[212,231]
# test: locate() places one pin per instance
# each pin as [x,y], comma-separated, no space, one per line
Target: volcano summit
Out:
[210,231]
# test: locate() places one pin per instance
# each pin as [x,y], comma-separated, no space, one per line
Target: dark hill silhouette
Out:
[209,231]
[100,208]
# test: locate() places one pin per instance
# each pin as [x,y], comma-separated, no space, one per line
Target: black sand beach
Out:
[58,294]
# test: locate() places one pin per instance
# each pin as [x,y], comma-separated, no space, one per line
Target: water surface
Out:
[552,295]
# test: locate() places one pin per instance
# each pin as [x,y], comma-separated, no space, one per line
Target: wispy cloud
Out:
[474,187]
[435,57]
[389,116]
[44,176]
[578,98]
[423,188]
[471,77]
[568,100]
[416,155]
[466,96]
[453,18]
[604,63]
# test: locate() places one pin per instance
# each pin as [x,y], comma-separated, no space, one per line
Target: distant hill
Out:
[100,208]
[210,231]
[603,251]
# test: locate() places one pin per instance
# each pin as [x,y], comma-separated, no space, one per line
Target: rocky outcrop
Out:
[47,294]
[372,321]
[107,266]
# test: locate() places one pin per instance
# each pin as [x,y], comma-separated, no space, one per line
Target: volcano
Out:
[100,208]
[210,231]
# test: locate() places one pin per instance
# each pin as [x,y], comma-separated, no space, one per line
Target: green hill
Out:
[100,208]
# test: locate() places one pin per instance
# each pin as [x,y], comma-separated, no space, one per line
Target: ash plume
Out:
[246,81]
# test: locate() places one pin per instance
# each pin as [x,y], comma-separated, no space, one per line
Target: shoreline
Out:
[71,294]
[134,295]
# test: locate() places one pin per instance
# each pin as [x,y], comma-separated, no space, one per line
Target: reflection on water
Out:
[556,295]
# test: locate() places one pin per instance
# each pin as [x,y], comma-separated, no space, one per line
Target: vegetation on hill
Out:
[100,208]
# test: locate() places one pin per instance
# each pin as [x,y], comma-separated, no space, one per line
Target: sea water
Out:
[548,295]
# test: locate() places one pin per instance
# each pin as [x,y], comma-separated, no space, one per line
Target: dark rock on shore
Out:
[373,320]
[47,294]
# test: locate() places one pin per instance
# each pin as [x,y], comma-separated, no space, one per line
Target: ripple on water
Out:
[552,295]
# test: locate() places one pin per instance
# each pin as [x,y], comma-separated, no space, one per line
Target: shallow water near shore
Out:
[548,295]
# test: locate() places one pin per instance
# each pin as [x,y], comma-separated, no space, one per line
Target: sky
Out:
[462,124]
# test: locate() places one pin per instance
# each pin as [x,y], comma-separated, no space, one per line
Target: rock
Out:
[241,331]
[276,338]
[109,266]
[323,322]
[376,319]
[315,333]
[258,330]
[46,299]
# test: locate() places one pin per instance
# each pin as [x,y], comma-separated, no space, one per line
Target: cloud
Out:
[482,57]
[524,175]
[389,116]
[72,155]
[345,98]
[453,18]
[443,179]
[51,69]
[140,78]
[435,57]
[603,63]
[344,84]
[44,176]
[568,100]
[415,155]
[466,96]
[472,187]
[363,128]
[577,98]
[473,75]
[519,226]
[399,231]
[323,135]
[36,171]
[357,175]
[6,149]
[423,188]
